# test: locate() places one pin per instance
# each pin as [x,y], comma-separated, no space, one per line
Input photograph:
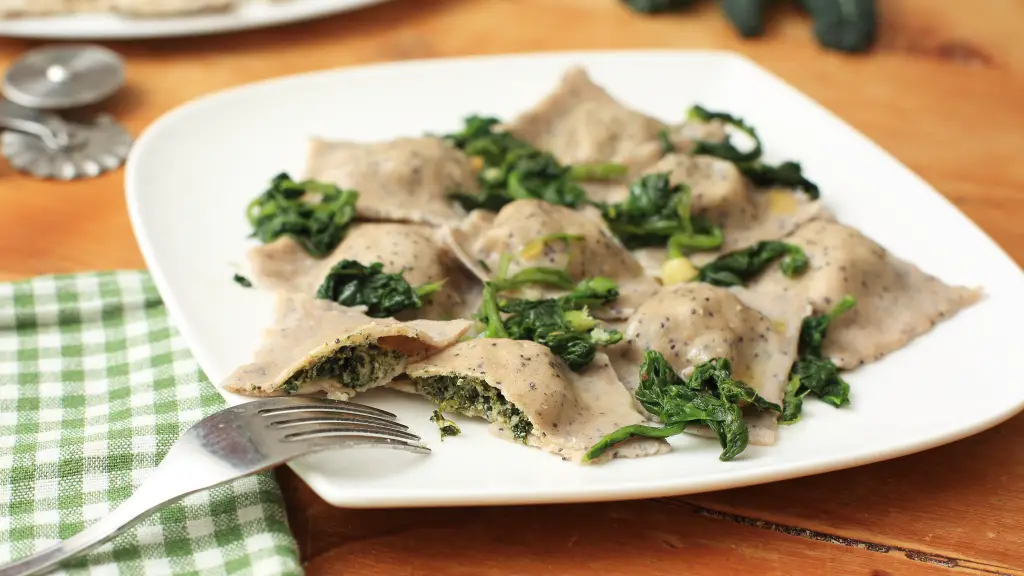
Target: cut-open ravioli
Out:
[530,395]
[719,192]
[580,123]
[410,249]
[406,179]
[319,346]
[896,301]
[694,322]
[593,251]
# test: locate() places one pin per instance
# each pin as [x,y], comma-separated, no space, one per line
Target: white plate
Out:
[250,14]
[191,174]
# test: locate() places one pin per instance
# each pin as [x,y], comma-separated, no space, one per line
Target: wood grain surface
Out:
[943,91]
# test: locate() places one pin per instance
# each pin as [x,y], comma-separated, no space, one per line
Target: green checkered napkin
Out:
[95,386]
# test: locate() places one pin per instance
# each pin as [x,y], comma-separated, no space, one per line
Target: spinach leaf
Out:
[739,267]
[563,324]
[242,281]
[710,396]
[655,6]
[657,212]
[350,283]
[444,425]
[812,373]
[513,169]
[317,224]
[785,175]
[725,150]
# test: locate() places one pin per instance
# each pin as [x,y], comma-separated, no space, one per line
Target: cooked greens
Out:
[350,283]
[242,281]
[475,398]
[354,367]
[710,396]
[785,175]
[445,426]
[725,150]
[512,169]
[657,213]
[739,267]
[563,324]
[812,373]
[314,214]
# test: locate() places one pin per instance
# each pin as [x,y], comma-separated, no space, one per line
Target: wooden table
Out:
[943,91]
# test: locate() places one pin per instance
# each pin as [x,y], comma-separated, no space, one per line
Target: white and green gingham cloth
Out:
[95,386]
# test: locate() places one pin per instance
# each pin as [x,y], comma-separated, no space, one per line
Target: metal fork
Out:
[228,445]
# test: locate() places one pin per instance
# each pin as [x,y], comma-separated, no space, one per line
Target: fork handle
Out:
[155,493]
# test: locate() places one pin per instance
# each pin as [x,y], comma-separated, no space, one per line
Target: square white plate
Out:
[192,173]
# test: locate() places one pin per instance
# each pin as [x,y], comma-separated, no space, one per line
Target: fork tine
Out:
[322,430]
[284,405]
[332,419]
[323,444]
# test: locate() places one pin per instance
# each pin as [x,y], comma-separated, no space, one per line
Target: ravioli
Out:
[896,301]
[403,180]
[720,192]
[515,230]
[319,346]
[410,249]
[694,322]
[531,396]
[580,123]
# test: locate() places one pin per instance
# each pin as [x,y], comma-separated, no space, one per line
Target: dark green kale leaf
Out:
[513,169]
[657,213]
[785,175]
[739,267]
[812,373]
[656,6]
[444,425]
[710,396]
[563,324]
[846,25]
[350,283]
[242,281]
[667,146]
[725,150]
[746,15]
[315,214]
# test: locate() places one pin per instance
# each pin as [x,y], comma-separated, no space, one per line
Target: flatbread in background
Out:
[401,180]
[412,250]
[896,301]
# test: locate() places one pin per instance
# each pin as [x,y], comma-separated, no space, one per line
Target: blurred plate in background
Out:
[249,14]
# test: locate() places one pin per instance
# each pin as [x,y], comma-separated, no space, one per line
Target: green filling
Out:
[475,398]
[355,367]
[445,426]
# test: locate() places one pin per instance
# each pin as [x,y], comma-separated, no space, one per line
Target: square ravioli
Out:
[896,301]
[580,123]
[403,180]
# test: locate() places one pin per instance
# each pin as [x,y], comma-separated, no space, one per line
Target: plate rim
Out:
[114,27]
[596,494]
